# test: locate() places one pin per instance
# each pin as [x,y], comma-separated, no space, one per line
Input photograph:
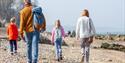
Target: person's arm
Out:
[63,32]
[22,24]
[44,23]
[93,31]
[16,31]
[7,30]
[77,29]
[52,37]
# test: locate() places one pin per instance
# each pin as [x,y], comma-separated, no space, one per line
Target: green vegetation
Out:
[117,47]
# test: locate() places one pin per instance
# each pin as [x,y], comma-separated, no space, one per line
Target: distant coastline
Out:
[102,31]
[72,28]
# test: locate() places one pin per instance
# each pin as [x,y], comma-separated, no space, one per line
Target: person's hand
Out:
[22,37]
[91,39]
[63,38]
[52,43]
[77,38]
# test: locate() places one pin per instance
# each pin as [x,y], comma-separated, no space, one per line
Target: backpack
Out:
[38,19]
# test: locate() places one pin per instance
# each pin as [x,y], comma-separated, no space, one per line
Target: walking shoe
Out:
[58,60]
[61,58]
[11,53]
[82,60]
[15,52]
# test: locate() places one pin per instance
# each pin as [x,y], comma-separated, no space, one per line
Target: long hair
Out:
[57,25]
[86,12]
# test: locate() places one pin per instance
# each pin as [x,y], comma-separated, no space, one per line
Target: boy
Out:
[12,32]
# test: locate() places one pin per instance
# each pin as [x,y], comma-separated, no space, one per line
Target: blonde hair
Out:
[13,19]
[57,23]
[86,12]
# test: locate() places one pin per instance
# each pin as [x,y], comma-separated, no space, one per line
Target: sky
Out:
[107,15]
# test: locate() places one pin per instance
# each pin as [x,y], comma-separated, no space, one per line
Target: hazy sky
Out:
[107,15]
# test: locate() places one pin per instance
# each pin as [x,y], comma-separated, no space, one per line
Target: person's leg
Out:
[35,43]
[82,41]
[11,47]
[15,46]
[57,50]
[60,48]
[28,38]
[87,48]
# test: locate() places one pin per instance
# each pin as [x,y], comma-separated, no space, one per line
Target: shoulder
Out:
[22,11]
[61,27]
[89,19]
[53,29]
[26,9]
[85,18]
[15,25]
[80,18]
[9,25]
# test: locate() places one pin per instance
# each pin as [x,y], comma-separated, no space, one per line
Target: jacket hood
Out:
[37,10]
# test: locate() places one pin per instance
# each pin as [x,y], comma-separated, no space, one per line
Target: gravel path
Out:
[71,54]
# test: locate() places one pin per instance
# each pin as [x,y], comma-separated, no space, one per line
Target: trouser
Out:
[32,40]
[13,45]
[58,49]
[85,48]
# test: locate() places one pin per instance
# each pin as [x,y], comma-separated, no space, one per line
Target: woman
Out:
[85,31]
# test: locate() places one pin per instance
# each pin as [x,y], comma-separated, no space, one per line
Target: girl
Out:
[57,35]
[12,32]
[85,31]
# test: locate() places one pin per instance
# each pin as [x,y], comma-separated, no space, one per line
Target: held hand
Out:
[77,38]
[22,37]
[52,43]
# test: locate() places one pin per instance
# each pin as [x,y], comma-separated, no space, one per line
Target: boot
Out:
[61,58]
[82,60]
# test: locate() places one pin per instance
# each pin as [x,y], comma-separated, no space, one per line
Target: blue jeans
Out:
[58,49]
[32,40]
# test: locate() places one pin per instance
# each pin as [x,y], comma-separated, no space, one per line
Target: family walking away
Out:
[32,22]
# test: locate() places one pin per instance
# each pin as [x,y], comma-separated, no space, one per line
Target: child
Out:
[57,36]
[12,32]
[85,31]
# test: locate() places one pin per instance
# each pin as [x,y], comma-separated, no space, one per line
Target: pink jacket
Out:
[53,34]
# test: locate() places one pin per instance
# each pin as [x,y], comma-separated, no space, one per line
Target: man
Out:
[31,35]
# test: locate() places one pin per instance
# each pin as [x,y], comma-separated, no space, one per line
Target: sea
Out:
[99,30]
